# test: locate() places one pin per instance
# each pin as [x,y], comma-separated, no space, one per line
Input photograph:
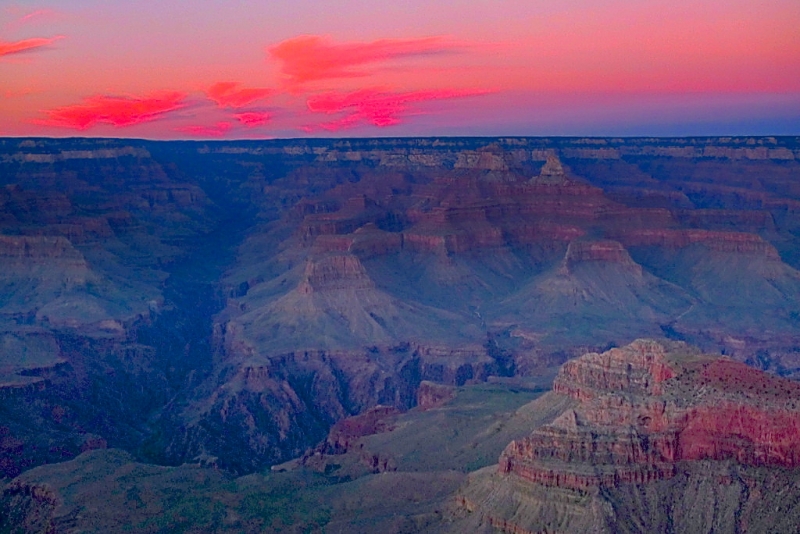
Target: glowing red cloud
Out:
[218,130]
[228,95]
[117,111]
[26,45]
[310,57]
[253,119]
[375,107]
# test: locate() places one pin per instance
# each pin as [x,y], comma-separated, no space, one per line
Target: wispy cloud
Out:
[230,95]
[310,58]
[36,15]
[253,119]
[114,110]
[26,45]
[18,94]
[218,130]
[23,17]
[379,108]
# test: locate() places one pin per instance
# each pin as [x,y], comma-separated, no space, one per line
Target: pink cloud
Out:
[113,110]
[23,16]
[253,119]
[311,58]
[375,107]
[39,13]
[26,45]
[218,130]
[18,94]
[228,94]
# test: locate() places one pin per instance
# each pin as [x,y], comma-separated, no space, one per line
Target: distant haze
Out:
[252,69]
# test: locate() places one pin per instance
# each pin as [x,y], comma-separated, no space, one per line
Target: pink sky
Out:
[253,69]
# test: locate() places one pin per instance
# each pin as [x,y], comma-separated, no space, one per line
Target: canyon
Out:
[235,306]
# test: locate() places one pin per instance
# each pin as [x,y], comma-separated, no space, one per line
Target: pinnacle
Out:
[552,172]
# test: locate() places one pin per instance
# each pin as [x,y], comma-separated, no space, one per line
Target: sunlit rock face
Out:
[644,409]
[648,421]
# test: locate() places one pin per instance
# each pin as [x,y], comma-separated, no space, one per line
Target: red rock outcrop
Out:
[353,214]
[552,172]
[431,395]
[462,212]
[750,220]
[334,272]
[646,407]
[481,159]
[601,251]
[366,242]
[39,248]
[347,431]
[736,242]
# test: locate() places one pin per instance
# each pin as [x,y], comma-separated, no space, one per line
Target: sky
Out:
[261,69]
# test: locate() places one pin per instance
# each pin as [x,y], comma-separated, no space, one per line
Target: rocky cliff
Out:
[647,419]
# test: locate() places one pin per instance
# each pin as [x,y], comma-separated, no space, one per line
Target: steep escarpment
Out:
[655,413]
[649,421]
[225,306]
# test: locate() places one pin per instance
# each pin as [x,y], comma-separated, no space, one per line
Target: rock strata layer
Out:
[646,418]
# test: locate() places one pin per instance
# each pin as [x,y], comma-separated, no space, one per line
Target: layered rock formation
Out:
[647,419]
[355,270]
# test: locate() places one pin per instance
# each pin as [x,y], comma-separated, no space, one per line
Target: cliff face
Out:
[646,414]
[734,242]
[642,413]
[610,252]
